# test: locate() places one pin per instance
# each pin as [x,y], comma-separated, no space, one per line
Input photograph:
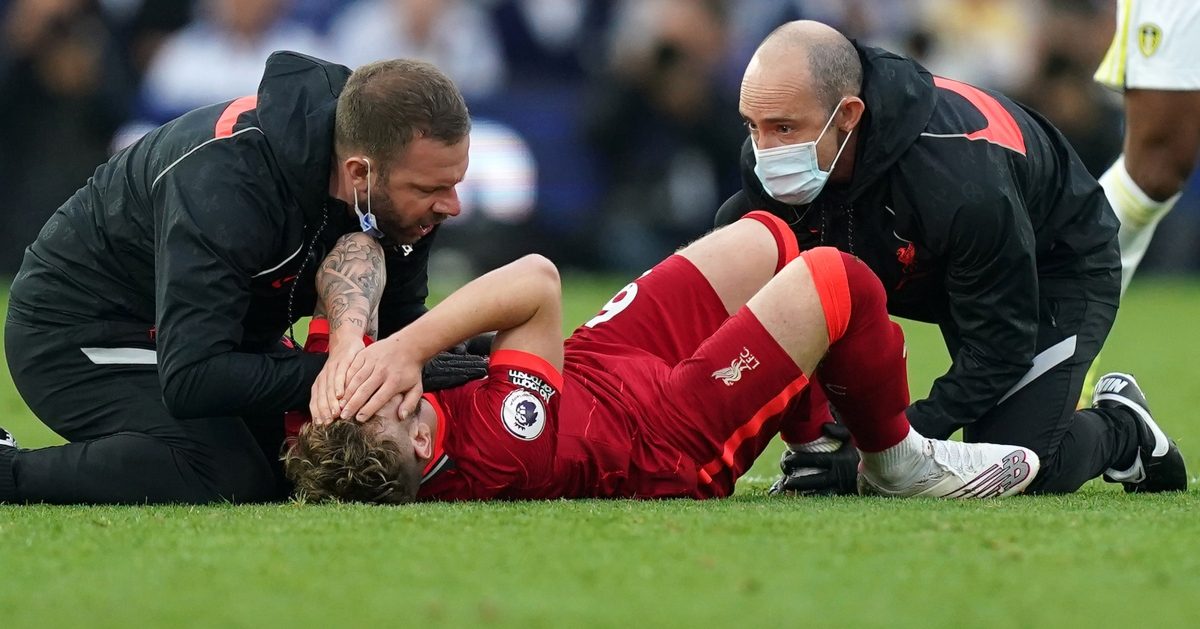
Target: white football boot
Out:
[950,469]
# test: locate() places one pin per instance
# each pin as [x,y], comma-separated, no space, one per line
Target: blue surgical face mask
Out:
[367,221]
[790,173]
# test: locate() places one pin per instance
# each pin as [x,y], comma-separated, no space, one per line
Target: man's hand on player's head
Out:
[329,389]
[377,374]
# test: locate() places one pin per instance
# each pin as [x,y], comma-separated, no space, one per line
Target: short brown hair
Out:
[386,104]
[345,460]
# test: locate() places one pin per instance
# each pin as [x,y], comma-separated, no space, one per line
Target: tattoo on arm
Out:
[350,283]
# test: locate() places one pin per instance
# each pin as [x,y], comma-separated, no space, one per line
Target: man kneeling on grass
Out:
[672,390]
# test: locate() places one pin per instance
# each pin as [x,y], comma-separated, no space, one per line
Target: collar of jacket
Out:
[900,97]
[297,99]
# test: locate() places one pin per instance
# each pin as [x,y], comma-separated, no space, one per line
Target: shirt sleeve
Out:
[218,218]
[511,424]
[992,285]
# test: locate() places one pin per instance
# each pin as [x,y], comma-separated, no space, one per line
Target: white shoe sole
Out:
[1008,478]
[1001,480]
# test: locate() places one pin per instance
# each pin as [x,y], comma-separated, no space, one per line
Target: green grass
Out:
[1097,558]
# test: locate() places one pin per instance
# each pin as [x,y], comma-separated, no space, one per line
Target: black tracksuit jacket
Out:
[194,240]
[972,210]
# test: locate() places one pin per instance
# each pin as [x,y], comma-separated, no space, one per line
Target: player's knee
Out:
[867,297]
[1162,184]
[1161,169]
[866,291]
[539,268]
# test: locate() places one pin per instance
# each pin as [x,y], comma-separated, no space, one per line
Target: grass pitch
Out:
[1097,558]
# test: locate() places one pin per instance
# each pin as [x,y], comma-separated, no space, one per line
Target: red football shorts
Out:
[712,387]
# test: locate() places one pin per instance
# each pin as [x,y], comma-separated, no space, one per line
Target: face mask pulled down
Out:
[790,173]
[367,221]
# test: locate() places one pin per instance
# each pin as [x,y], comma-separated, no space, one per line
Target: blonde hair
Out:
[346,460]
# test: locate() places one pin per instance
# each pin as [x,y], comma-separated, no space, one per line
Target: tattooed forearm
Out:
[350,283]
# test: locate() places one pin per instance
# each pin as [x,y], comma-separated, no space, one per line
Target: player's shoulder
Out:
[512,409]
[499,436]
[980,130]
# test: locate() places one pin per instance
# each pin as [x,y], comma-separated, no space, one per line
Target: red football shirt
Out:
[527,432]
[662,394]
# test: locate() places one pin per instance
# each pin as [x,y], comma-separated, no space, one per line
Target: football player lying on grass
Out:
[672,390]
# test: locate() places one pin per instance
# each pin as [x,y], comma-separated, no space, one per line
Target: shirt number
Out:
[618,303]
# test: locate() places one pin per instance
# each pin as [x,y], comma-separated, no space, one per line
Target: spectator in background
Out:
[147,24]
[1064,93]
[454,35]
[663,129]
[498,197]
[317,14]
[1071,37]
[220,55]
[1075,30]
[62,85]
[988,43]
[892,24]
[553,40]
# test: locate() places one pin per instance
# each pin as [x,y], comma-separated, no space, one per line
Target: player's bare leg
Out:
[740,258]
[1162,141]
[1162,138]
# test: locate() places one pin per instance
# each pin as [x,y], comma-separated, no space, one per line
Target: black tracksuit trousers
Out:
[1074,446]
[125,447]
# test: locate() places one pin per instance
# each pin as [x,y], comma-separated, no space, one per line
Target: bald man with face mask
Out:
[977,216]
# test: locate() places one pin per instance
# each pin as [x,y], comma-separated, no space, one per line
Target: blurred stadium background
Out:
[606,131]
[606,134]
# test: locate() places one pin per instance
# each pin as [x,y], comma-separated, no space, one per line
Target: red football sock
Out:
[801,422]
[785,238]
[864,372]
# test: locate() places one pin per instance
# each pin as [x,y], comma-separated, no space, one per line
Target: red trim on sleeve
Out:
[528,362]
[229,117]
[440,437]
[318,326]
[1000,128]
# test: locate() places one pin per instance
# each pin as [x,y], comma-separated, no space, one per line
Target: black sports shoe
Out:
[7,440]
[1159,465]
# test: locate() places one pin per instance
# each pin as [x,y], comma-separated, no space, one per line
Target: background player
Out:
[672,390]
[1152,60]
